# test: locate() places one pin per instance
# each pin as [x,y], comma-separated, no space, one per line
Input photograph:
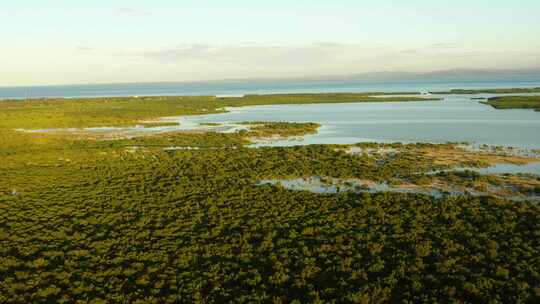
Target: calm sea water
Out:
[262,87]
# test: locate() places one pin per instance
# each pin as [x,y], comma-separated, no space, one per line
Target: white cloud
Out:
[257,54]
[131,12]
[208,61]
[84,48]
[324,58]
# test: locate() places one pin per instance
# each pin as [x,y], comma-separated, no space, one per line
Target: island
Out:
[514,102]
[489,91]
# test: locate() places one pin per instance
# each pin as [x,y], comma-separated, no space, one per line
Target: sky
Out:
[108,41]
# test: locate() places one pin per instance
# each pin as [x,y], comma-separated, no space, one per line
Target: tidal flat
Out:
[185,216]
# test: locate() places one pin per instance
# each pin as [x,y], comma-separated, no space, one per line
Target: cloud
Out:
[131,12]
[84,48]
[246,60]
[257,54]
[410,51]
[443,45]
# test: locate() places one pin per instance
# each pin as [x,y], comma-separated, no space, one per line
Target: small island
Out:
[490,91]
[514,102]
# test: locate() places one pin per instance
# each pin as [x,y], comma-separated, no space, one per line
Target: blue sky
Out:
[59,42]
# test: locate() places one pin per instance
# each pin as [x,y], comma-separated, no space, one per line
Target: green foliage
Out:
[125,111]
[192,226]
[96,112]
[158,124]
[124,221]
[283,129]
[491,91]
[514,102]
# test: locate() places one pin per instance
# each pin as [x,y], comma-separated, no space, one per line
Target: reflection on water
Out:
[329,185]
[510,168]
[334,185]
[531,168]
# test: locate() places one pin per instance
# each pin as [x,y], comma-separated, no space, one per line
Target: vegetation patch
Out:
[490,91]
[442,184]
[128,111]
[514,102]
[264,130]
[158,124]
[127,220]
[451,155]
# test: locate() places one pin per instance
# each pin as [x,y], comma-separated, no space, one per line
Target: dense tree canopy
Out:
[126,221]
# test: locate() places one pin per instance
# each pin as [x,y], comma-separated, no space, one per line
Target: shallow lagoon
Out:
[455,119]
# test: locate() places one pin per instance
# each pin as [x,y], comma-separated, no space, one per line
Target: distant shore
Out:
[243,87]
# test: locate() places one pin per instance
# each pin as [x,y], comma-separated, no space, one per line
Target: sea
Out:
[236,88]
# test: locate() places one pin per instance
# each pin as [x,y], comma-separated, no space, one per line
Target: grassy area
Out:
[262,129]
[99,220]
[100,112]
[155,124]
[515,102]
[490,91]
[125,220]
